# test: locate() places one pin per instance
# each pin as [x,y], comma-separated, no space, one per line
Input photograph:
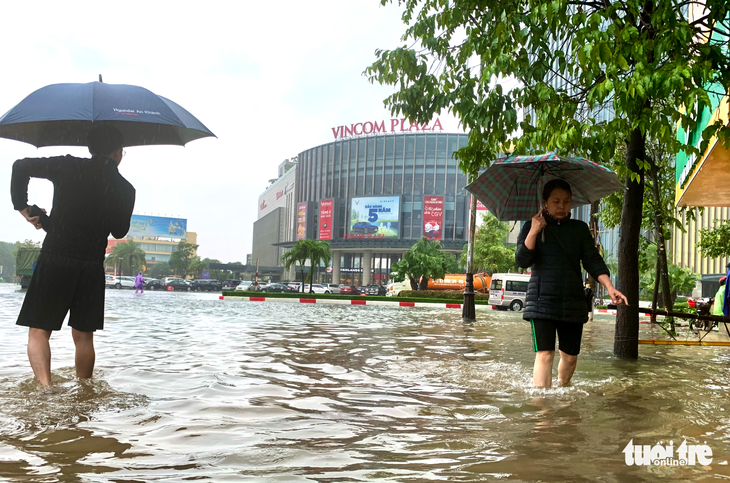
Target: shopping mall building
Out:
[372,193]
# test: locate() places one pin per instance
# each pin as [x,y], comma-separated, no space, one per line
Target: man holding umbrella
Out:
[91,199]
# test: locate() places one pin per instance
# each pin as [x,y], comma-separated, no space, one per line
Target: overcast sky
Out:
[268,78]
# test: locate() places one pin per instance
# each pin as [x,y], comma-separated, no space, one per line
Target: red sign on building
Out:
[433,217]
[326,218]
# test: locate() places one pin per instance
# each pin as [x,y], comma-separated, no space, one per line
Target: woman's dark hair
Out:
[553,185]
[104,140]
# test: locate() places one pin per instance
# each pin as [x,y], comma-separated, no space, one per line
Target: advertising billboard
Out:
[302,220]
[326,218]
[433,217]
[158,226]
[374,217]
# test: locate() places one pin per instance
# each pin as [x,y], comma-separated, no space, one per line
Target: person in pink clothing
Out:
[139,283]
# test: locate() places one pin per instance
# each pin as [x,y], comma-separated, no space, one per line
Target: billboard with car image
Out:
[374,217]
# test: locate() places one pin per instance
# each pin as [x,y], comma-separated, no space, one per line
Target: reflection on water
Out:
[191,387]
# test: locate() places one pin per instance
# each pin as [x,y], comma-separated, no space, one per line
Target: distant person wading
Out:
[553,245]
[90,201]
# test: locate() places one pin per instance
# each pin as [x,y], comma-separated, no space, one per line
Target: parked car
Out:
[120,282]
[295,286]
[177,284]
[316,288]
[230,284]
[243,285]
[364,227]
[276,287]
[168,279]
[153,284]
[349,290]
[332,287]
[257,286]
[508,291]
[204,285]
[376,290]
[216,285]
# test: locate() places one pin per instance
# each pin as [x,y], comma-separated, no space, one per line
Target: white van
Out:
[508,291]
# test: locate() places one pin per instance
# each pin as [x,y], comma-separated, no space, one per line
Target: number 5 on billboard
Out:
[373,215]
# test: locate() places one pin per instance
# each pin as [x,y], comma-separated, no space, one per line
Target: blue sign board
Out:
[158,227]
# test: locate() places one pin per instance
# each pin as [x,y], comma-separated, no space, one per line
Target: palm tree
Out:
[128,253]
[300,252]
[321,252]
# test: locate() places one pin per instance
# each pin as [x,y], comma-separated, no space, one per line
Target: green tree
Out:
[565,60]
[7,261]
[182,257]
[25,244]
[216,274]
[424,260]
[196,267]
[299,253]
[160,270]
[491,255]
[321,253]
[127,256]
[715,242]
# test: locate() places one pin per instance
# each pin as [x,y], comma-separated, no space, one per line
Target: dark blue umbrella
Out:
[62,114]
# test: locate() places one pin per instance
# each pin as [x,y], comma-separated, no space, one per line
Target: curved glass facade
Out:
[411,165]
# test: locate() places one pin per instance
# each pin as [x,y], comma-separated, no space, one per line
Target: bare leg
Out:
[566,368]
[85,355]
[542,374]
[39,354]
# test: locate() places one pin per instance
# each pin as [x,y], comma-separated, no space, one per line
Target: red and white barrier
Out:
[383,303]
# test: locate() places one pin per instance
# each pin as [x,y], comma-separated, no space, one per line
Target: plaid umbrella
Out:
[511,187]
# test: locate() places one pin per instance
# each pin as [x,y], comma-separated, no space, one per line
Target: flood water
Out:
[189,387]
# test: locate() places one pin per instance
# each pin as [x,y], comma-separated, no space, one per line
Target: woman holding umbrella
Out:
[554,246]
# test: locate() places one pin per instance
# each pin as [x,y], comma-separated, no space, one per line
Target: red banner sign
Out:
[396,125]
[302,221]
[326,211]
[433,217]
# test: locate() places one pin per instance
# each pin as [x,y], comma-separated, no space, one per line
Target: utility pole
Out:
[468,311]
[256,277]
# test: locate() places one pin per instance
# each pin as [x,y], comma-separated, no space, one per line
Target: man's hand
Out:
[617,297]
[33,220]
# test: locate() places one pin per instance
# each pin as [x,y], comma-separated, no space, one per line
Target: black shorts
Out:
[543,336]
[60,284]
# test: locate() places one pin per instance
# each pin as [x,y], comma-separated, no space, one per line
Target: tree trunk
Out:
[662,264]
[414,284]
[593,225]
[424,283]
[301,268]
[626,338]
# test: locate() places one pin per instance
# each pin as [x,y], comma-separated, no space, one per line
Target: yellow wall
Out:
[683,245]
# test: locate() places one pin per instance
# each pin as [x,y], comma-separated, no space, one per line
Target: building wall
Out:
[268,230]
[412,165]
[683,245]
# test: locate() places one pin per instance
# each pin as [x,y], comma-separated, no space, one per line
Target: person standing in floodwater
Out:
[90,201]
[554,246]
[139,283]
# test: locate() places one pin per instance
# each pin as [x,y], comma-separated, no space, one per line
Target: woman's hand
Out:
[538,223]
[617,297]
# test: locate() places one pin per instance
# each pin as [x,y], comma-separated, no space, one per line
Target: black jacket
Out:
[90,200]
[555,290]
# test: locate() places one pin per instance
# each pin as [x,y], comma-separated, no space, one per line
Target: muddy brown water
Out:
[189,387]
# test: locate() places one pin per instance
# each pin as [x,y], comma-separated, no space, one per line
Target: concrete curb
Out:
[382,303]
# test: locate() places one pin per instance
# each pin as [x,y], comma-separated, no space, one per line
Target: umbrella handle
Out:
[543,234]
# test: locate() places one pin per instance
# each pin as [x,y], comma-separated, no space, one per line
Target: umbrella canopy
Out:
[511,187]
[62,114]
